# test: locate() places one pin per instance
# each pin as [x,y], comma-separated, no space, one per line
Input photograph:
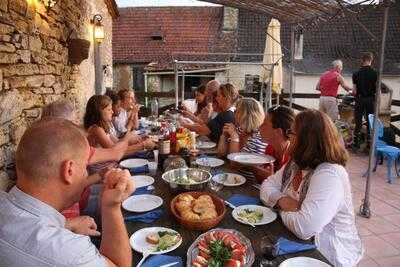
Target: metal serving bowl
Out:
[178,179]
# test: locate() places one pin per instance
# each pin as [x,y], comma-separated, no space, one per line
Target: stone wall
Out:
[123,76]
[34,67]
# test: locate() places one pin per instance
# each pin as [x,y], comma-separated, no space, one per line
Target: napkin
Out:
[285,246]
[144,190]
[239,200]
[139,170]
[142,155]
[147,217]
[160,260]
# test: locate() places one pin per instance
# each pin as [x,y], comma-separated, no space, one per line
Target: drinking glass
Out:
[152,168]
[269,252]
[215,186]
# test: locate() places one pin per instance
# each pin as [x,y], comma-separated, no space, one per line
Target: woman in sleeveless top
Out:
[274,131]
[98,124]
[313,192]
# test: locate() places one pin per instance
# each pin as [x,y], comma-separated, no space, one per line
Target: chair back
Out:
[379,126]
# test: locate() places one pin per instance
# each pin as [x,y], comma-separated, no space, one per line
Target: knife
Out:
[170,264]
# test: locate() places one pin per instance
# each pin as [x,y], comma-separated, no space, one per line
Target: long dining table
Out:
[273,230]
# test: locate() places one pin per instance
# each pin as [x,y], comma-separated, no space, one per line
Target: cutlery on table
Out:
[170,264]
[256,186]
[145,255]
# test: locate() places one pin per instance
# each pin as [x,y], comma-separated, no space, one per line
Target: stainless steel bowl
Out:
[187,179]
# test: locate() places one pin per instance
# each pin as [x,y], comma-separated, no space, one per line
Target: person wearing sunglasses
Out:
[276,132]
[313,193]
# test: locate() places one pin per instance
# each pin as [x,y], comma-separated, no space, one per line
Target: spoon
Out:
[145,255]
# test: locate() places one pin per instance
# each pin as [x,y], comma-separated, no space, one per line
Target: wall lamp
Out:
[98,28]
[48,4]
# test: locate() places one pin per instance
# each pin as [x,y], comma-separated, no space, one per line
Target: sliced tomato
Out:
[204,255]
[233,263]
[201,260]
[197,264]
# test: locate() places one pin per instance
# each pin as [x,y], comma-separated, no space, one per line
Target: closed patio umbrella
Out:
[272,57]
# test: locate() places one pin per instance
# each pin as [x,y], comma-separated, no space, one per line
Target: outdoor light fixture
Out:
[48,4]
[98,28]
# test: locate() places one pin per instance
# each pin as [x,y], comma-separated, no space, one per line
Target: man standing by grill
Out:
[328,85]
[364,81]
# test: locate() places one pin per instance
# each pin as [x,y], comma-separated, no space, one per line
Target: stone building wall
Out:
[123,76]
[34,68]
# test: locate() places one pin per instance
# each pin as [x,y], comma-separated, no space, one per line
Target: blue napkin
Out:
[144,190]
[142,155]
[158,260]
[147,217]
[239,200]
[139,170]
[285,246]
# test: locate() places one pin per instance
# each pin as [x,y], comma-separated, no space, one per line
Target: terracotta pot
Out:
[78,50]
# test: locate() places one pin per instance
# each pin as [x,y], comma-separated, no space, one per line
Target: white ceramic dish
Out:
[142,180]
[233,179]
[268,215]
[138,240]
[142,203]
[250,158]
[210,162]
[205,144]
[303,262]
[133,163]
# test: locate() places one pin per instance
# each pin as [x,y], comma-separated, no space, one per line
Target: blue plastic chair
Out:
[390,153]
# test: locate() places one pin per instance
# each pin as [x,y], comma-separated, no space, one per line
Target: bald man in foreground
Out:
[51,162]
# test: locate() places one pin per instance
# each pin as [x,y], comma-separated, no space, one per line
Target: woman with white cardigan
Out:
[313,191]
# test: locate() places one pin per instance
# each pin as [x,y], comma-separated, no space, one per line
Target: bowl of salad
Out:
[221,247]
[187,179]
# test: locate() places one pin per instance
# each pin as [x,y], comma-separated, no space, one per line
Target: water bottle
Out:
[154,108]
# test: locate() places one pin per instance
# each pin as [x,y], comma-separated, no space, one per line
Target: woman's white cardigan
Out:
[326,213]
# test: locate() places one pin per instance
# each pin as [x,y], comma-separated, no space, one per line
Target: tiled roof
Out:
[183,29]
[337,39]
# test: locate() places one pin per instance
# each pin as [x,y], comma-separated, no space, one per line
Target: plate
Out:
[250,158]
[142,180]
[142,203]
[193,250]
[205,144]
[133,163]
[268,215]
[138,240]
[210,162]
[230,181]
[303,262]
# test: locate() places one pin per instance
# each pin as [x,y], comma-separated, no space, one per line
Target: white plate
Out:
[133,163]
[268,215]
[250,158]
[230,181]
[142,180]
[210,162]
[303,262]
[142,203]
[205,144]
[138,240]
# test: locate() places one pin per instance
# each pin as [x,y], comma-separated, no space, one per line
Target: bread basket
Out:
[201,224]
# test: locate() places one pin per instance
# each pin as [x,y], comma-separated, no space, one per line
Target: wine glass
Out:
[269,251]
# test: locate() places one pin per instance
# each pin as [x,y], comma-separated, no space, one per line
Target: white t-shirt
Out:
[120,122]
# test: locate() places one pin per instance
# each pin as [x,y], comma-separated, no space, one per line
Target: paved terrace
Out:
[381,233]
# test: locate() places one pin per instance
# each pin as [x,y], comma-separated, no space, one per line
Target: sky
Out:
[125,3]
